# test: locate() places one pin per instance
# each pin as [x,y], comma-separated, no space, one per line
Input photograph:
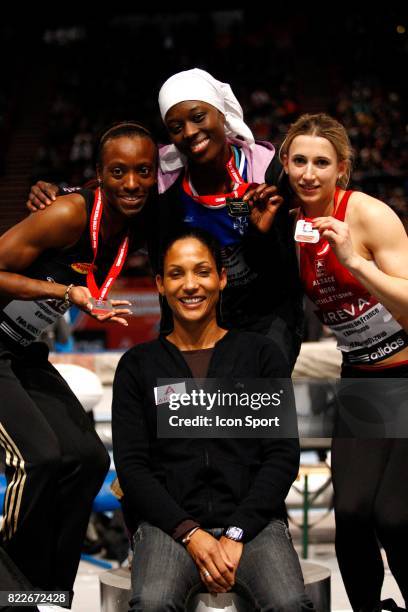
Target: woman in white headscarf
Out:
[212,160]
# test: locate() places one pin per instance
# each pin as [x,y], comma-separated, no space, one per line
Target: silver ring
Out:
[206,573]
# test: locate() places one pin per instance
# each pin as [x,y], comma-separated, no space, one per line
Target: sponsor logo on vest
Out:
[344,314]
[82,268]
[387,349]
[320,267]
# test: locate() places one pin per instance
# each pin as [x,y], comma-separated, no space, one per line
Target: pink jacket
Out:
[258,160]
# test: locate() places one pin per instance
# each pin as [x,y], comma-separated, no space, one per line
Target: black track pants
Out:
[371,507]
[55,465]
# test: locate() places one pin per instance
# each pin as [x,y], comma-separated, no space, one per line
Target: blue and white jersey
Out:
[228,230]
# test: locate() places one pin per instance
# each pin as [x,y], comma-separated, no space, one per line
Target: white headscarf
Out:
[198,84]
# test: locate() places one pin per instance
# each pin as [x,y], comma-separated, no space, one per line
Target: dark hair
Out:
[207,239]
[123,128]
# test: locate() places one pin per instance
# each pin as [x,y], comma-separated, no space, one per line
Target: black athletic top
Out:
[23,321]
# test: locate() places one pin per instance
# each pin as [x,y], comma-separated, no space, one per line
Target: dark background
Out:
[65,78]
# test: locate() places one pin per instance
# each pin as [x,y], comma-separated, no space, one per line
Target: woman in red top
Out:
[357,275]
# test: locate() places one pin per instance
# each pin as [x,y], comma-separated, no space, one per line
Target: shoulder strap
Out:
[340,208]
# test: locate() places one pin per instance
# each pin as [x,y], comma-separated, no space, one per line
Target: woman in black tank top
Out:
[55,462]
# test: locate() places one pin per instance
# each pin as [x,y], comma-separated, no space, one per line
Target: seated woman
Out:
[209,512]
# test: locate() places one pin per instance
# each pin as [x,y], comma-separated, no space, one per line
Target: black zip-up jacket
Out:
[216,482]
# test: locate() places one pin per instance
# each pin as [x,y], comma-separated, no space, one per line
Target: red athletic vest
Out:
[365,330]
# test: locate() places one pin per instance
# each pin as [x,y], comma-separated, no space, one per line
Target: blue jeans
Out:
[164,576]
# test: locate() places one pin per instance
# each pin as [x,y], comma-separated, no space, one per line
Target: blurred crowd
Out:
[376,120]
[97,84]
[111,69]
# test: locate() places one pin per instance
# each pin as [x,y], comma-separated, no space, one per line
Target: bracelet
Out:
[67,301]
[187,538]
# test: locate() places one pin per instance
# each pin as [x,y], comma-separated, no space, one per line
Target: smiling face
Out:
[127,172]
[313,169]
[197,129]
[190,282]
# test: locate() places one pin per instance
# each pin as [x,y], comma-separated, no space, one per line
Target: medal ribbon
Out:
[219,201]
[100,293]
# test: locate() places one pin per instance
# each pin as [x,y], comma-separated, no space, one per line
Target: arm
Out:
[280,460]
[145,495]
[20,246]
[53,228]
[271,485]
[382,234]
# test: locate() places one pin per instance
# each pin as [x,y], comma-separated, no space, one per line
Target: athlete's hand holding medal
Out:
[102,310]
[337,234]
[108,310]
[264,202]
[332,232]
